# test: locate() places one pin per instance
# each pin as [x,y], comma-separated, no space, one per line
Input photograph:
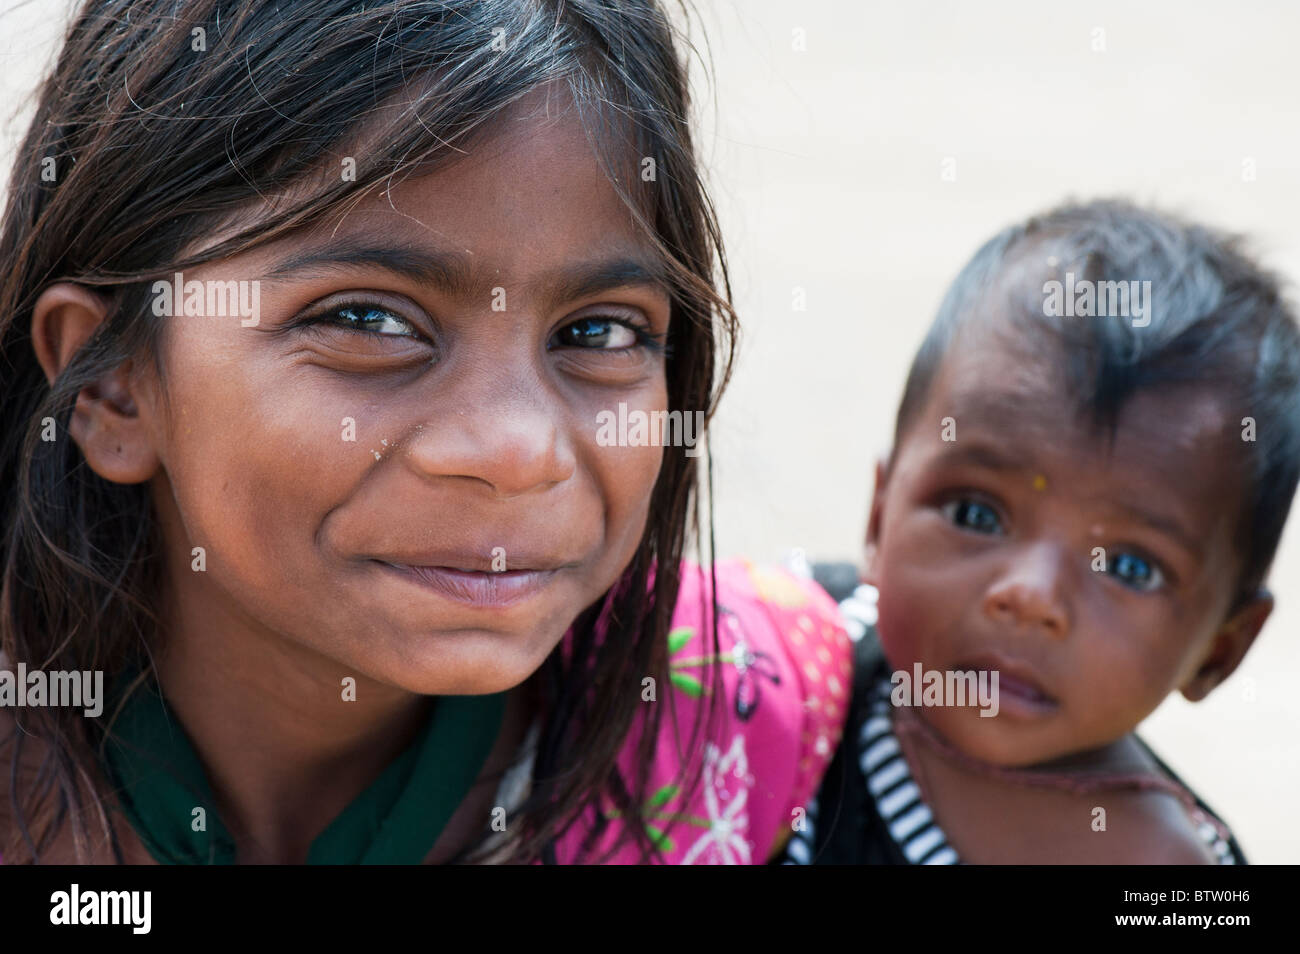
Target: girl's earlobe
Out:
[111,433]
[106,422]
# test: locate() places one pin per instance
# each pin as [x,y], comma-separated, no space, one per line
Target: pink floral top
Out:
[786,673]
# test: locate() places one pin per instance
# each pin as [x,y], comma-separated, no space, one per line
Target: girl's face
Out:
[1095,578]
[397,467]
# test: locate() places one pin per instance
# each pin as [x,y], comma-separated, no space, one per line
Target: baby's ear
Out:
[1229,645]
[869,550]
[106,421]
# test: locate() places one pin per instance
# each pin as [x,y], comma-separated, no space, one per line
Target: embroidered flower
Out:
[678,638]
[726,792]
[750,667]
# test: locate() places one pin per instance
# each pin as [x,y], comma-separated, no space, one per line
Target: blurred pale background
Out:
[828,128]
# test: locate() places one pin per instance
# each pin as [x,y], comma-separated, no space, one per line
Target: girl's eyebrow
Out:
[453,274]
[444,269]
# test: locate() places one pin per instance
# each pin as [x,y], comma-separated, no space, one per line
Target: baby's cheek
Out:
[902,624]
[1117,680]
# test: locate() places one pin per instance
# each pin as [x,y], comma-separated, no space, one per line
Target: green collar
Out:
[161,785]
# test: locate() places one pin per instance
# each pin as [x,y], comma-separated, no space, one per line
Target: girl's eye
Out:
[1135,572]
[605,334]
[366,317]
[972,515]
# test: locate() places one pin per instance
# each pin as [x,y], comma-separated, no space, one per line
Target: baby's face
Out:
[411,485]
[984,549]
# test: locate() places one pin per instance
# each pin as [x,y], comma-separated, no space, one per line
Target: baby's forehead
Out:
[1007,388]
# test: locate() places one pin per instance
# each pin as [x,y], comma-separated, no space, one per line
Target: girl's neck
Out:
[285,747]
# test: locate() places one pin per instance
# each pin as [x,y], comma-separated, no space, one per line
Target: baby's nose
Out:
[1029,592]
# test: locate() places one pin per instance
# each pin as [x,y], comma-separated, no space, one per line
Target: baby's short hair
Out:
[1214,316]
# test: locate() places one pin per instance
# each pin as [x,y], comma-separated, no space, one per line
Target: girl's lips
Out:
[485,589]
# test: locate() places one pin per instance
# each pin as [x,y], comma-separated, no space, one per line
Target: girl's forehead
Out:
[528,193]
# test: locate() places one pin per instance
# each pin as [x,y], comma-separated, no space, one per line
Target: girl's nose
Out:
[1029,592]
[504,429]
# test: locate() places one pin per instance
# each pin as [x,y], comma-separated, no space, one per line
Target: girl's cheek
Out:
[250,463]
[627,478]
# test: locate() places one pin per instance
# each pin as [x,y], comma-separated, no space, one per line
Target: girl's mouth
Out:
[485,589]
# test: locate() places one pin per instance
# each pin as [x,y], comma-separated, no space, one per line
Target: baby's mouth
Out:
[1017,681]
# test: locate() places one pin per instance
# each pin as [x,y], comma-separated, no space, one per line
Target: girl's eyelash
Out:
[322,316]
[654,342]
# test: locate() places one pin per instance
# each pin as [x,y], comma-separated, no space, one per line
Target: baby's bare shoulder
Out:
[1141,828]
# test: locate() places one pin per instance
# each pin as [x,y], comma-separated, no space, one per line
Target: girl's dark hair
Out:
[167,120]
[1215,318]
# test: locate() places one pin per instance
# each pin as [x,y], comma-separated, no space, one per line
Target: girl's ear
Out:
[106,422]
[1229,645]
[870,573]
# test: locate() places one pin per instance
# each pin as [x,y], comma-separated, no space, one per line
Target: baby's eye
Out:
[367,318]
[973,515]
[607,334]
[1135,572]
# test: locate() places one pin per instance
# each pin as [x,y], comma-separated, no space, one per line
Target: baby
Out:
[1093,461]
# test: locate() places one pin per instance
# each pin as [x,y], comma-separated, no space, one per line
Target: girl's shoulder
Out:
[783,667]
[24,765]
[22,760]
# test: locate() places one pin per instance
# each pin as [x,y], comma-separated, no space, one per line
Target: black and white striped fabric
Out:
[896,794]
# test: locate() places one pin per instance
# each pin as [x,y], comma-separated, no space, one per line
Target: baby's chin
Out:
[1000,741]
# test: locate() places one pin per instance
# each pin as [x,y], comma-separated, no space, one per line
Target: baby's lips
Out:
[1014,676]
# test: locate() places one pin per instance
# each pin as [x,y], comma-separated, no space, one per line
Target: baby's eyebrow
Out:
[994,457]
[981,454]
[1162,523]
[453,273]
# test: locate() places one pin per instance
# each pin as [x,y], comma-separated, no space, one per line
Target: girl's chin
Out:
[492,673]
